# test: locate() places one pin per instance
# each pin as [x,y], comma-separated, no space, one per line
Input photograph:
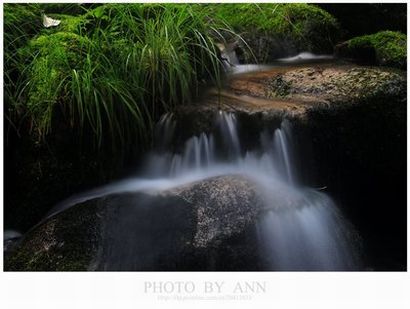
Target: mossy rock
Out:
[279,30]
[386,48]
[338,85]
[49,60]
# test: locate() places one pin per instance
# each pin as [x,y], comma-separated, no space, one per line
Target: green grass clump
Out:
[21,23]
[115,69]
[390,47]
[73,9]
[307,25]
[167,49]
[51,61]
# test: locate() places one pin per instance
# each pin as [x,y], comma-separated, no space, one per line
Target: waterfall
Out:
[164,131]
[232,64]
[300,228]
[311,236]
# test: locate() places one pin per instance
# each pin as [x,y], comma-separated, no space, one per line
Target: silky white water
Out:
[300,228]
[10,234]
[305,56]
[234,67]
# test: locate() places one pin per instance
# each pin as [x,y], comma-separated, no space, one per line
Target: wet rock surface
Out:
[262,99]
[206,225]
[319,84]
[350,125]
[336,85]
[68,241]
[9,245]
[225,206]
[384,48]
[292,91]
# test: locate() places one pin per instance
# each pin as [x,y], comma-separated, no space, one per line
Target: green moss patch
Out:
[114,69]
[297,27]
[52,58]
[386,48]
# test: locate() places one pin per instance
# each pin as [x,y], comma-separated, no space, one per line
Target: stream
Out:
[301,228]
[298,227]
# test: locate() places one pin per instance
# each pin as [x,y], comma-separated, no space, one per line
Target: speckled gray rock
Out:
[207,224]
[66,242]
[224,206]
[266,97]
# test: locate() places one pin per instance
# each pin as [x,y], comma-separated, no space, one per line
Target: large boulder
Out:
[68,241]
[224,206]
[208,224]
[276,30]
[336,85]
[263,99]
[349,126]
[385,48]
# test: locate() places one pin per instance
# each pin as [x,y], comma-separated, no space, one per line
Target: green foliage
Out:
[307,24]
[113,70]
[51,60]
[390,47]
[110,71]
[73,9]
[68,23]
[21,22]
[168,49]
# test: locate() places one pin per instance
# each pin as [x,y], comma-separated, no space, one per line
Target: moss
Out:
[64,46]
[279,18]
[82,86]
[52,57]
[21,18]
[37,58]
[389,47]
[304,27]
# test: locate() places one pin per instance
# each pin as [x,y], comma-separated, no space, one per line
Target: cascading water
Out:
[300,229]
[305,56]
[233,66]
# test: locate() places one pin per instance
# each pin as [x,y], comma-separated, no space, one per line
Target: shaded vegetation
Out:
[80,99]
[108,71]
[115,69]
[279,30]
[20,24]
[296,19]
[378,17]
[387,48]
